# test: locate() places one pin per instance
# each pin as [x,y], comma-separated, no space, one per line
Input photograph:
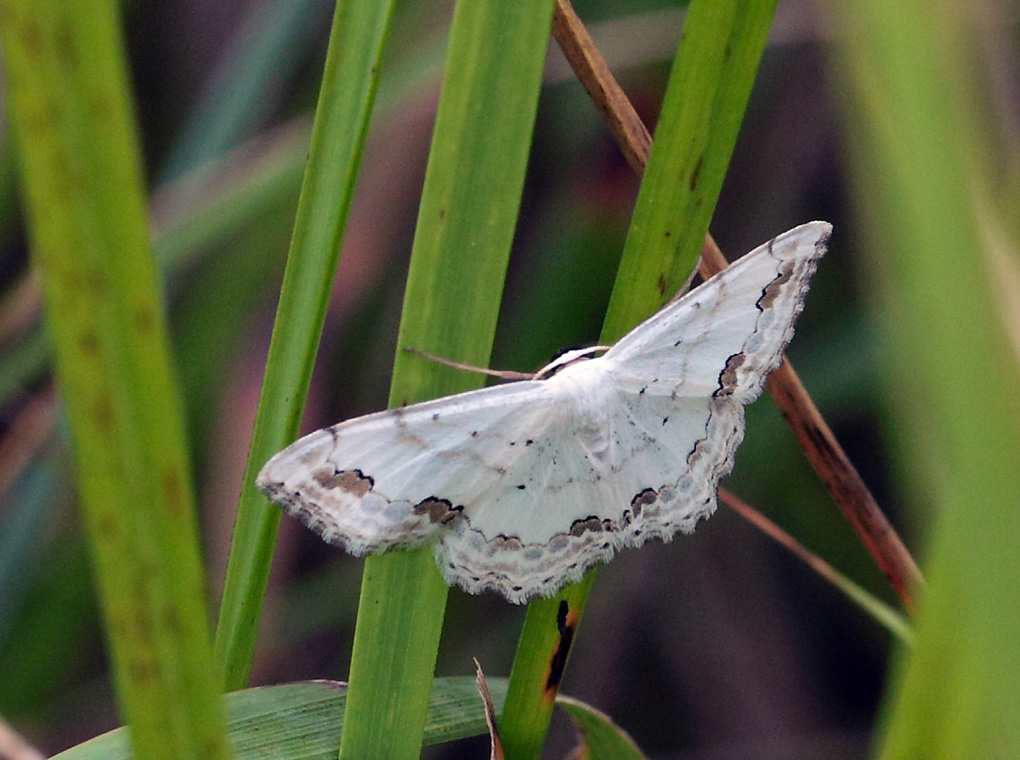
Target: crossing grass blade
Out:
[707,94]
[341,122]
[598,737]
[466,224]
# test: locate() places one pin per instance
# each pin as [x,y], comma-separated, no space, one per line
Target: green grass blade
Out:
[538,668]
[303,721]
[23,544]
[25,358]
[705,102]
[465,229]
[921,137]
[68,99]
[345,104]
[252,75]
[599,738]
[881,612]
[191,216]
[884,614]
[206,206]
[704,105]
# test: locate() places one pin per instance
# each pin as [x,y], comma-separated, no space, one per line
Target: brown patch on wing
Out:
[316,455]
[588,524]
[774,288]
[311,459]
[728,376]
[643,499]
[354,482]
[508,543]
[438,510]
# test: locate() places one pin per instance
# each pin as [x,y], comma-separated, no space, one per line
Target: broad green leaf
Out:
[303,721]
[921,137]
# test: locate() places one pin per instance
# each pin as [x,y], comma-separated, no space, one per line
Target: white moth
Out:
[522,487]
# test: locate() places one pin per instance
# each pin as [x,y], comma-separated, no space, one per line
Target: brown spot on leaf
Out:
[101,107]
[172,619]
[173,491]
[354,482]
[102,414]
[66,45]
[32,38]
[566,624]
[697,172]
[107,526]
[145,320]
[143,672]
[141,625]
[95,281]
[88,342]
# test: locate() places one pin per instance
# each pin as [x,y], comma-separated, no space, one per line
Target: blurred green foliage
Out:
[718,640]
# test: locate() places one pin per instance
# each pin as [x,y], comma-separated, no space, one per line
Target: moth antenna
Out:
[566,358]
[504,374]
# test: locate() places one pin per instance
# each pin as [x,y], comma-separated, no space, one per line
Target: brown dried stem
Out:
[822,449]
[777,534]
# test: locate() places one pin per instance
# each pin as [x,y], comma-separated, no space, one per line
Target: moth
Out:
[522,487]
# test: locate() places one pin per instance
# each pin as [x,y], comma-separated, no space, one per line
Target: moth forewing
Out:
[524,486]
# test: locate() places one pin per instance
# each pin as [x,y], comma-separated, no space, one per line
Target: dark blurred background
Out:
[719,645]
